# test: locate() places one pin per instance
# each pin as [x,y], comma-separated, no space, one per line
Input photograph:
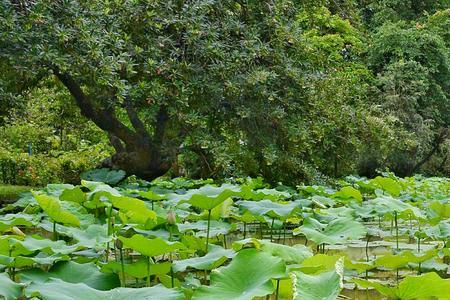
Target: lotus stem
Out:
[396,229]
[284,233]
[171,271]
[207,231]
[122,264]
[148,271]
[367,253]
[55,233]
[278,289]
[224,236]
[245,229]
[271,229]
[109,233]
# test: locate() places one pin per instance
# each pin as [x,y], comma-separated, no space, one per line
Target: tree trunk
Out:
[440,138]
[137,152]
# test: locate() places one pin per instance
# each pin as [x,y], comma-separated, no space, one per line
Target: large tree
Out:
[232,81]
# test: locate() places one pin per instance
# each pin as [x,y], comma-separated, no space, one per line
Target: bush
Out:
[41,169]
[9,193]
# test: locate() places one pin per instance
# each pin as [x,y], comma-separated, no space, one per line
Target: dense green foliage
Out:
[194,239]
[10,193]
[287,90]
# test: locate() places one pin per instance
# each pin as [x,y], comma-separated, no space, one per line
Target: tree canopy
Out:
[282,89]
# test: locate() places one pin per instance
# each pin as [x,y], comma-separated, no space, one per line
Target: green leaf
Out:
[73,272]
[216,228]
[348,192]
[269,208]
[8,288]
[295,254]
[138,269]
[387,184]
[104,175]
[337,231]
[135,210]
[56,289]
[208,197]
[74,195]
[247,276]
[150,247]
[324,286]
[53,209]
[215,257]
[426,286]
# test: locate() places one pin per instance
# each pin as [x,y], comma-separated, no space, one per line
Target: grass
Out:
[9,193]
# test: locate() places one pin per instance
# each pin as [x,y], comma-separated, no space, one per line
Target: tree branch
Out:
[101,117]
[437,143]
[138,125]
[160,126]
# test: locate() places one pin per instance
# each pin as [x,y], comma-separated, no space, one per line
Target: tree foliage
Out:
[282,89]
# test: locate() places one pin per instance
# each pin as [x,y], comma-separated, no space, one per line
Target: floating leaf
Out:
[53,209]
[336,232]
[56,289]
[74,195]
[324,286]
[104,175]
[247,276]
[215,257]
[348,192]
[8,288]
[150,247]
[426,286]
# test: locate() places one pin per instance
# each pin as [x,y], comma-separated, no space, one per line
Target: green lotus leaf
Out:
[75,195]
[138,269]
[387,184]
[249,193]
[150,195]
[99,195]
[7,248]
[431,265]
[9,289]
[56,189]
[94,236]
[56,289]
[150,247]
[426,286]
[295,254]
[324,286]
[348,192]
[73,272]
[270,208]
[41,260]
[215,257]
[247,276]
[439,231]
[104,175]
[438,211]
[135,210]
[34,243]
[392,261]
[222,211]
[337,231]
[208,197]
[216,228]
[319,263]
[52,207]
[8,221]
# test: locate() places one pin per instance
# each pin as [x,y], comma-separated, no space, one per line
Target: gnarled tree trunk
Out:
[137,152]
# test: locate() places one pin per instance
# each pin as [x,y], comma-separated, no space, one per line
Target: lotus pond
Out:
[384,238]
